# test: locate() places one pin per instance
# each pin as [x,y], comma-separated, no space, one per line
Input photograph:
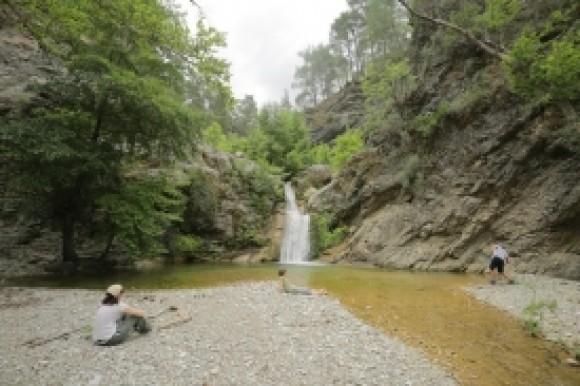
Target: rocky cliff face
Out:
[493,170]
[336,114]
[21,62]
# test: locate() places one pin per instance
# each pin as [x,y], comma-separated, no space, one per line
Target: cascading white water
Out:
[296,242]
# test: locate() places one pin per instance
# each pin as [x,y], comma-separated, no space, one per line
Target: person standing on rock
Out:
[115,320]
[285,287]
[499,258]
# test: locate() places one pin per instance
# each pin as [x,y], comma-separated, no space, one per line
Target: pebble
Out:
[244,334]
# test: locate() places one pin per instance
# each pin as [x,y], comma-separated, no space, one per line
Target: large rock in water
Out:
[494,170]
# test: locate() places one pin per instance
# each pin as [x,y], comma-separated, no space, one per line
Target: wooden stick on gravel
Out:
[184,319]
[40,342]
[170,308]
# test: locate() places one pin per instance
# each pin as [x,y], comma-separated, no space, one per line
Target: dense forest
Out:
[99,148]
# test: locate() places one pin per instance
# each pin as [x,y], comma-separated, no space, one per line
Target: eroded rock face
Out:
[220,182]
[22,63]
[506,188]
[493,171]
[313,178]
[334,116]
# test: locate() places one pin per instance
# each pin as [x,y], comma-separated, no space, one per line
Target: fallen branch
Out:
[41,342]
[176,323]
[170,308]
[468,34]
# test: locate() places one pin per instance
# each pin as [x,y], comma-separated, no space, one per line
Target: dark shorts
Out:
[498,263]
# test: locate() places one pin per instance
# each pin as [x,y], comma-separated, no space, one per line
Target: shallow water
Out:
[479,344]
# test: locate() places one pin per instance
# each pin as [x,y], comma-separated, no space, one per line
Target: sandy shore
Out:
[245,334]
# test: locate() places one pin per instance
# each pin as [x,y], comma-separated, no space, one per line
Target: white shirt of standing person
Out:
[499,251]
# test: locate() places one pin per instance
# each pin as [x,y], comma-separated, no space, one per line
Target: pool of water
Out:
[479,344]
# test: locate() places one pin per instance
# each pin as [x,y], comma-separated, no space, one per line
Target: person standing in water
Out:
[285,287]
[115,320]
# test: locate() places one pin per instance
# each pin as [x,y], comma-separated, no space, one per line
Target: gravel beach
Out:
[246,334]
[560,323]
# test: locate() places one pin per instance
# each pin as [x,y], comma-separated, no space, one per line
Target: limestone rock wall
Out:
[495,170]
[338,113]
[21,62]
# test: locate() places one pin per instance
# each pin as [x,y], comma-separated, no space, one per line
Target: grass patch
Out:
[534,312]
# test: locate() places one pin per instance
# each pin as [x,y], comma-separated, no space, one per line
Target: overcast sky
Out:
[264,38]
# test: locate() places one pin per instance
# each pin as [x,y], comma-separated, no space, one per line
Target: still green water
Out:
[170,277]
[335,278]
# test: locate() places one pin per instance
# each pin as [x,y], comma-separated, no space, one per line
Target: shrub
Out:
[534,313]
[428,122]
[384,83]
[409,171]
[345,146]
[215,137]
[546,68]
[186,243]
[322,237]
[246,238]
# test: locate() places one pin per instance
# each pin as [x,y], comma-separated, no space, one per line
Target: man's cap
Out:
[115,290]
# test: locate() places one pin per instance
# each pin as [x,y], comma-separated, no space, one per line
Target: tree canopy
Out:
[367,31]
[78,148]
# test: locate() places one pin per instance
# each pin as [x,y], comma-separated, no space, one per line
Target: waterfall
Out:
[296,242]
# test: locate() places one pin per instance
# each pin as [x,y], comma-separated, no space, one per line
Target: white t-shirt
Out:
[500,252]
[105,324]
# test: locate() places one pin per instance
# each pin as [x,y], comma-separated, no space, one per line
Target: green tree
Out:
[345,146]
[323,236]
[280,142]
[386,28]
[287,137]
[317,78]
[547,68]
[245,115]
[346,33]
[385,82]
[320,154]
[214,136]
[120,103]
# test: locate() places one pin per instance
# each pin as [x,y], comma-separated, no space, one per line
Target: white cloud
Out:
[265,36]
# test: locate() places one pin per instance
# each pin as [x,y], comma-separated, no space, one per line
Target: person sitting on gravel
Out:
[285,287]
[499,258]
[115,320]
